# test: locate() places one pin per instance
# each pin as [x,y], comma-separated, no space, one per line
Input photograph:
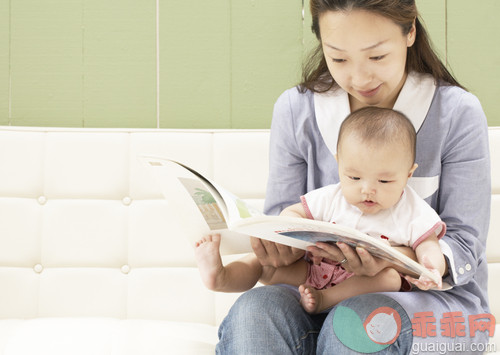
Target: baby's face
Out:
[373,177]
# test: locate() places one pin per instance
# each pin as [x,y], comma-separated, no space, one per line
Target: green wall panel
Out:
[433,14]
[4,61]
[46,62]
[93,63]
[195,65]
[309,39]
[266,48]
[473,50]
[119,63]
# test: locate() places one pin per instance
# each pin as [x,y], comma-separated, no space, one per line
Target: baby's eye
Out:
[384,181]
[355,178]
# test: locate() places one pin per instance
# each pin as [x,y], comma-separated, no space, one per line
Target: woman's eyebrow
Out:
[364,49]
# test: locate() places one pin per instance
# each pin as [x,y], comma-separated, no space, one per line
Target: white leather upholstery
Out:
[93,258]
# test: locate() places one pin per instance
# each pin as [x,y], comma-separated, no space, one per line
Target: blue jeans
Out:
[270,320]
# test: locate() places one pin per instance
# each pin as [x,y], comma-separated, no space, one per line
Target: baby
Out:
[376,157]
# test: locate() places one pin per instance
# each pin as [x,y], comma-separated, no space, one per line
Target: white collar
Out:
[332,107]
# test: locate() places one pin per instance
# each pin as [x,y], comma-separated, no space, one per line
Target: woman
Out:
[374,52]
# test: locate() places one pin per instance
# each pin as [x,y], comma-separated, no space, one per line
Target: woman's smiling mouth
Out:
[370,93]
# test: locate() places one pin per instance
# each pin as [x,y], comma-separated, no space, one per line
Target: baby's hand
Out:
[424,283]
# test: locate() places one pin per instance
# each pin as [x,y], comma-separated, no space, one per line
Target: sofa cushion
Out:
[103,336]
[94,259]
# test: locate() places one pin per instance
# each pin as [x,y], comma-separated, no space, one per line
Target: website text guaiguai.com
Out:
[452,325]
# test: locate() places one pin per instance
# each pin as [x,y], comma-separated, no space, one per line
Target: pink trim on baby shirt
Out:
[306,207]
[430,232]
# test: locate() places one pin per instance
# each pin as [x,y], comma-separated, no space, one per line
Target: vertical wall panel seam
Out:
[157,63]
[446,32]
[9,99]
[303,20]
[302,32]
[83,63]
[303,14]
[230,25]
[306,30]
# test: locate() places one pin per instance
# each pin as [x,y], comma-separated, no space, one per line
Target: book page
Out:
[187,187]
[237,208]
[206,202]
[232,207]
[301,233]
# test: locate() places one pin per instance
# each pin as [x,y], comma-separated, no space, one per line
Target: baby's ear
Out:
[412,170]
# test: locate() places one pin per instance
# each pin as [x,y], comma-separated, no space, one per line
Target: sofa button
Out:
[468,267]
[42,200]
[38,268]
[125,269]
[461,271]
[127,201]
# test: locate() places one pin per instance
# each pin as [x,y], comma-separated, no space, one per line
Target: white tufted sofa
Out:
[93,259]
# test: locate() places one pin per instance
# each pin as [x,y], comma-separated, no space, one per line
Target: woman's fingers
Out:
[326,250]
[272,254]
[353,262]
[358,260]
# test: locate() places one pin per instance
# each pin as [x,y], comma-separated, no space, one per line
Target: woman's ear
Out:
[412,35]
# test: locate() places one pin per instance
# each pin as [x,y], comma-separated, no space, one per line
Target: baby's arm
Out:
[296,210]
[429,249]
[429,254]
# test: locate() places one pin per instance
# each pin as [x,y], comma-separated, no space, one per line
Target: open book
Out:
[236,220]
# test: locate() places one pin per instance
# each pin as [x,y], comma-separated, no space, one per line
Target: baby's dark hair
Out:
[379,125]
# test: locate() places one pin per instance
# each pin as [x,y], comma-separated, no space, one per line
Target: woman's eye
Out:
[337,60]
[377,58]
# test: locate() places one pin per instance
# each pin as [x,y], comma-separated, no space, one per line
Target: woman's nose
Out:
[361,77]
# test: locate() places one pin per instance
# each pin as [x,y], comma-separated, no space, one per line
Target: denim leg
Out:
[344,332]
[269,320]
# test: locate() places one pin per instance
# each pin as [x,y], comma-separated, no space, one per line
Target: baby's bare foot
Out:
[310,298]
[209,260]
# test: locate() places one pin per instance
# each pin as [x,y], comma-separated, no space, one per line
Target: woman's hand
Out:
[357,261]
[273,254]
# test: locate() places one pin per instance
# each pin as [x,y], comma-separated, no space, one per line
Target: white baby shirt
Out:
[407,223]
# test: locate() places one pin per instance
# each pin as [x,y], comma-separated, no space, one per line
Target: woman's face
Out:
[366,55]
